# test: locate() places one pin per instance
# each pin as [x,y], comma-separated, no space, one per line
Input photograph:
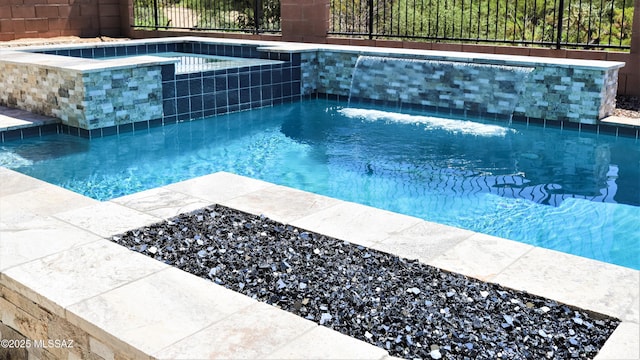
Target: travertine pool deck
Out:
[54,253]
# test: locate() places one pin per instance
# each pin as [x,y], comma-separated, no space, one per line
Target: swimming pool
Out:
[560,189]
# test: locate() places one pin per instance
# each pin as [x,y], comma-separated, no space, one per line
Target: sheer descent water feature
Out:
[476,88]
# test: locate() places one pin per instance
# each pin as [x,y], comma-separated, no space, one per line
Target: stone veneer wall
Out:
[121,96]
[87,100]
[569,94]
[184,96]
[478,88]
[310,73]
[551,92]
[25,322]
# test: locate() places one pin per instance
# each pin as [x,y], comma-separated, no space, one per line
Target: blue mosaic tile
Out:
[195,86]
[221,83]
[169,107]
[195,103]
[183,105]
[208,84]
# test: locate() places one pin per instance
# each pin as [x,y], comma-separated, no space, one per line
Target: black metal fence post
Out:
[156,17]
[587,24]
[370,4]
[256,15]
[560,18]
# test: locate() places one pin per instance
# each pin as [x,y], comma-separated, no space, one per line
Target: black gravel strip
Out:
[408,308]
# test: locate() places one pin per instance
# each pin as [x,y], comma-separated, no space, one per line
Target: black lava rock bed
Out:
[408,308]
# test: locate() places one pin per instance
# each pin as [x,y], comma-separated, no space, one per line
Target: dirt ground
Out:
[627,106]
[56,40]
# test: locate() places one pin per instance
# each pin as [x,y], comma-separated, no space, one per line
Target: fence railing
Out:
[555,23]
[254,16]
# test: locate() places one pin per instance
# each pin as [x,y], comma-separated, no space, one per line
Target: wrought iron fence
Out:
[557,23]
[255,16]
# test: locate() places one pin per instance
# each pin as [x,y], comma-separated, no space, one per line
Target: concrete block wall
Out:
[49,18]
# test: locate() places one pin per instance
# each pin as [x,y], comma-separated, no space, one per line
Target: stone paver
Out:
[623,344]
[22,242]
[14,182]
[65,278]
[283,204]
[423,241]
[218,187]
[356,223]
[40,201]
[614,120]
[324,343]
[154,312]
[240,336]
[124,299]
[161,202]
[11,119]
[481,256]
[107,218]
[577,281]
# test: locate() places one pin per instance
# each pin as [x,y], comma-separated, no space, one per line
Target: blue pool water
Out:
[574,192]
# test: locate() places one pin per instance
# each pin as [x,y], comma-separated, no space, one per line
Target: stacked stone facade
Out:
[86,100]
[540,91]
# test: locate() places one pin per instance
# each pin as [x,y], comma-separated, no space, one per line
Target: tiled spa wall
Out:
[84,100]
[106,101]
[551,92]
[202,94]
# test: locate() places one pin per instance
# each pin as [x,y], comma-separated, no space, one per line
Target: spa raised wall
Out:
[85,100]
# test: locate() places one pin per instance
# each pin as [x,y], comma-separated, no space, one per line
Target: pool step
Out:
[18,124]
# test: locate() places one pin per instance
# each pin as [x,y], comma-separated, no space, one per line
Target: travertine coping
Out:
[81,65]
[53,252]
[368,50]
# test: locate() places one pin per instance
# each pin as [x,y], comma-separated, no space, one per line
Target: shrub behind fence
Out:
[558,23]
[254,16]
[603,24]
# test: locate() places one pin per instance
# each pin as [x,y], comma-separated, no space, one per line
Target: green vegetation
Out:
[525,21]
[237,15]
[585,23]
